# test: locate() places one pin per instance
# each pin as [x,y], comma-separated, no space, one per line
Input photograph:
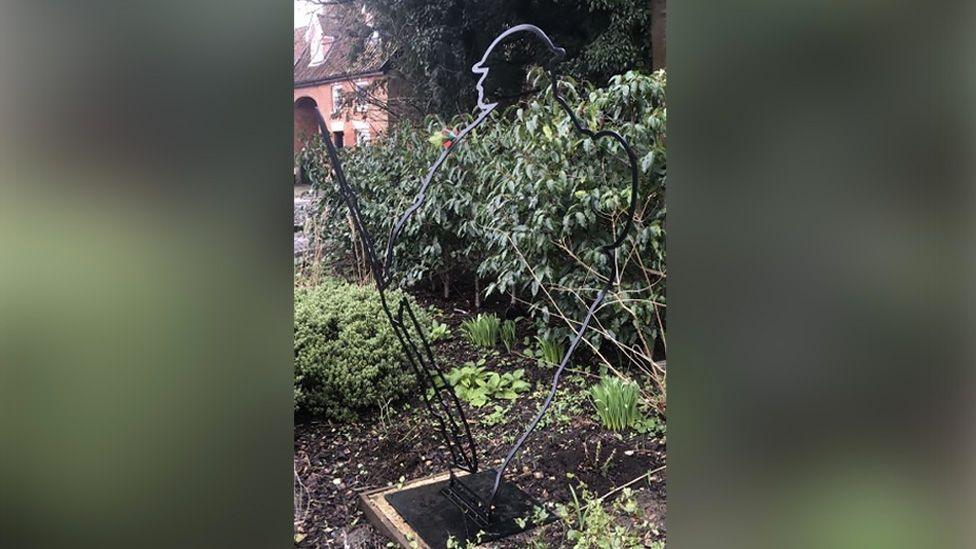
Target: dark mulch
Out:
[334,461]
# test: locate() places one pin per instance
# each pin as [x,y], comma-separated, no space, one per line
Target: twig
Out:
[622,486]
[302,493]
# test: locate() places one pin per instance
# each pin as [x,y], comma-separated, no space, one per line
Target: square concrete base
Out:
[418,515]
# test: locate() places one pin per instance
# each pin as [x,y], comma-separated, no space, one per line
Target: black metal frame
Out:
[439,397]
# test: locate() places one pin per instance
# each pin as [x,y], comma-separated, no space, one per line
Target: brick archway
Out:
[306,124]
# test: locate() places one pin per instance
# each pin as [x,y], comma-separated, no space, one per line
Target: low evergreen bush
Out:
[348,361]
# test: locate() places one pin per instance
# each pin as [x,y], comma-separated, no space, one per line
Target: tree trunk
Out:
[659,33]
[446,277]
[477,292]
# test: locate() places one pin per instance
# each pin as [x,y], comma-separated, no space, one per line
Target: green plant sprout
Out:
[592,524]
[439,331]
[508,334]
[550,351]
[482,331]
[496,417]
[616,403]
[474,384]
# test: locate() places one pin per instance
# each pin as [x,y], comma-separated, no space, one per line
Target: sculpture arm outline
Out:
[610,249]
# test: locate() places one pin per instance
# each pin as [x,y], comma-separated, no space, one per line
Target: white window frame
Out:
[336,98]
[361,104]
[363,136]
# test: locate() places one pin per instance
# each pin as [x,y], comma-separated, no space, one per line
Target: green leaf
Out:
[477,398]
[519,385]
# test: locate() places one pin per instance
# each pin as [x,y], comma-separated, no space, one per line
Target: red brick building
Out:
[348,92]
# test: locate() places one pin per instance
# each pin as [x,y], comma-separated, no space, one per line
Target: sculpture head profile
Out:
[481,67]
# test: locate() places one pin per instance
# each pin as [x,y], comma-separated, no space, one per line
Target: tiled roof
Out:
[299,43]
[338,63]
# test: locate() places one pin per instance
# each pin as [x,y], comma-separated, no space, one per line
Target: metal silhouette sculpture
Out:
[439,396]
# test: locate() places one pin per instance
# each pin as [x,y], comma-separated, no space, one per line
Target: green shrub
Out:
[524,204]
[528,221]
[616,403]
[347,358]
[482,331]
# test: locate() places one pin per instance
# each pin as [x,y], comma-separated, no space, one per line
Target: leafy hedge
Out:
[347,358]
[525,203]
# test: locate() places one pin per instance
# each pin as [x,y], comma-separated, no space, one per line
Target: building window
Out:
[361,94]
[336,98]
[320,49]
[337,138]
[362,136]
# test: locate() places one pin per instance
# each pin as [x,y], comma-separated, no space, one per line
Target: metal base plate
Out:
[434,518]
